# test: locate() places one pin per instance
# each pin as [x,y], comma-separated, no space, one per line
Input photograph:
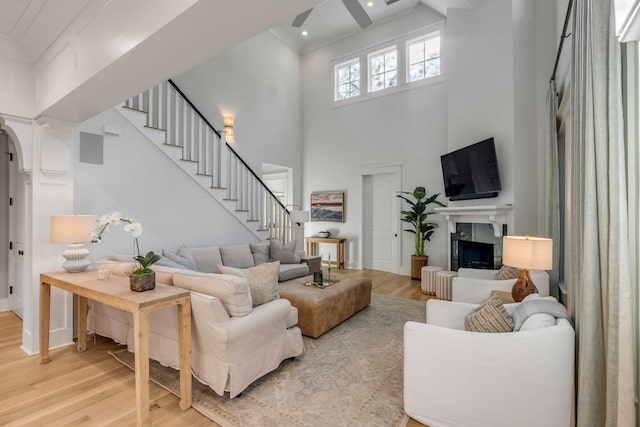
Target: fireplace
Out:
[475,255]
[474,245]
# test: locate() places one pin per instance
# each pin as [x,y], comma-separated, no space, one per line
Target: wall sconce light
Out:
[228,125]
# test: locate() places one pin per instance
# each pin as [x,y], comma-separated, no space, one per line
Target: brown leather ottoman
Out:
[321,309]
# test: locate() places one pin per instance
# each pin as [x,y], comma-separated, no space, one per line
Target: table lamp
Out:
[74,229]
[526,253]
[300,217]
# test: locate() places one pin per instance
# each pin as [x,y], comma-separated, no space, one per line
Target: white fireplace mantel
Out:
[488,214]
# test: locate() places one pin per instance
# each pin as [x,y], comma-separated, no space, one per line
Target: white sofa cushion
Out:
[231,290]
[115,267]
[262,280]
[238,256]
[207,258]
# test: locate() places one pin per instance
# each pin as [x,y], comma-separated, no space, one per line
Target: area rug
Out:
[350,376]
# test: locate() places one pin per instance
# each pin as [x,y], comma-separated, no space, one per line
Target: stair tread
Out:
[242,210]
[231,200]
[190,161]
[218,188]
[203,174]
[155,128]
[135,109]
[173,145]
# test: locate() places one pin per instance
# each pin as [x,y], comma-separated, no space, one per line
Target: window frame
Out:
[336,80]
[400,42]
[384,51]
[423,38]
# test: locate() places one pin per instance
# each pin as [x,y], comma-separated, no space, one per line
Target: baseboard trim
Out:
[4,304]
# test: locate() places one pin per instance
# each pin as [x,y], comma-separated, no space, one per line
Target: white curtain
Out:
[601,291]
[552,187]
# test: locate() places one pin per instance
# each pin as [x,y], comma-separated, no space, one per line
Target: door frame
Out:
[379,169]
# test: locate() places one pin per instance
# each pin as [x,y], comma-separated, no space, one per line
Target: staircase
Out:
[169,120]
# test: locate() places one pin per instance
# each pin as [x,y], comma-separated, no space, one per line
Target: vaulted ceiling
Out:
[33,25]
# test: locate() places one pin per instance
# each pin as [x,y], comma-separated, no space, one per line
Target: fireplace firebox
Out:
[474,245]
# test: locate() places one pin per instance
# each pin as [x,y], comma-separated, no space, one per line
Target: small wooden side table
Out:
[116,293]
[311,248]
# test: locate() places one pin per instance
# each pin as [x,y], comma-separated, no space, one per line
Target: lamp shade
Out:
[300,216]
[72,228]
[532,253]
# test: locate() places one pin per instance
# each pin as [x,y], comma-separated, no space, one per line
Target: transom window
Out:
[347,79]
[423,57]
[383,69]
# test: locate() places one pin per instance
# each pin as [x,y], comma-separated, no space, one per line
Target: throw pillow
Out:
[490,316]
[507,272]
[232,291]
[262,280]
[260,252]
[538,321]
[182,257]
[283,253]
[166,262]
[505,296]
[238,256]
[207,258]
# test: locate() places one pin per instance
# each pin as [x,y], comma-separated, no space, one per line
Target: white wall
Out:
[406,127]
[140,181]
[258,83]
[479,58]
[16,81]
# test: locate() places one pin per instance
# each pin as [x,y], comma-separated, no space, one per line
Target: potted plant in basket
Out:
[143,278]
[417,217]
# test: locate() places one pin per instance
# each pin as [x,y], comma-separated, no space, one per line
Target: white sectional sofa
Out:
[233,343]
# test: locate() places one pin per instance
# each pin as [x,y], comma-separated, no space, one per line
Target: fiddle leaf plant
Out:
[419,201]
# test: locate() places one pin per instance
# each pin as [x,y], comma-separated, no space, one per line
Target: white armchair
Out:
[453,377]
[474,286]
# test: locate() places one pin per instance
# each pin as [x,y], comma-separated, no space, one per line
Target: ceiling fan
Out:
[353,6]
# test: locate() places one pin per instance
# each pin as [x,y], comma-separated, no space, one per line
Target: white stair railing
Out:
[169,110]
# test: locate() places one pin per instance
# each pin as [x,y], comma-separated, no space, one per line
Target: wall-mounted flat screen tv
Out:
[471,172]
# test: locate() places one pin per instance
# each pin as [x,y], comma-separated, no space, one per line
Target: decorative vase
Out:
[417,262]
[324,234]
[143,282]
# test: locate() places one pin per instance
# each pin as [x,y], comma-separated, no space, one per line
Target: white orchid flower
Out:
[135,229]
[114,218]
[104,219]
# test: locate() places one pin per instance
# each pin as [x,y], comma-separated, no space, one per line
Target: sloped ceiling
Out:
[330,21]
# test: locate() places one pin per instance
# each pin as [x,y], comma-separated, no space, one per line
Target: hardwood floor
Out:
[92,388]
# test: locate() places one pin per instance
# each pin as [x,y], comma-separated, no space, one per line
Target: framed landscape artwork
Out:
[327,206]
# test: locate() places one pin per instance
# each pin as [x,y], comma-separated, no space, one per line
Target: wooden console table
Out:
[116,293]
[311,247]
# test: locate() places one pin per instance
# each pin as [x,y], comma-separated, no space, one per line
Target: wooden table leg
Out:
[141,333]
[81,345]
[184,331]
[45,313]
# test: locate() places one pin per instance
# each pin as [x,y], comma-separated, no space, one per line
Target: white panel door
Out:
[381,218]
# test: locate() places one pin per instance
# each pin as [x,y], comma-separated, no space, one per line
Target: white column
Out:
[51,194]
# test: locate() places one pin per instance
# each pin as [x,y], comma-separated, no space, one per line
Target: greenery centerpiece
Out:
[143,278]
[417,216]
